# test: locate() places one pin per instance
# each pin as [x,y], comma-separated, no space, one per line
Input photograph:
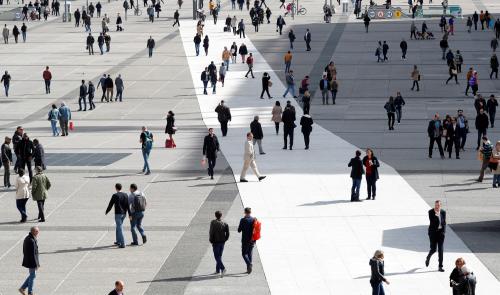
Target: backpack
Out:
[149,140]
[256,230]
[139,202]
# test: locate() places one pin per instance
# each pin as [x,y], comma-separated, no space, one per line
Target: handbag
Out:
[270,83]
[454,72]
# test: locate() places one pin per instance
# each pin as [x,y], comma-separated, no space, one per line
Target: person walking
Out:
[210,150]
[15,32]
[241,28]
[5,34]
[494,44]
[146,139]
[39,154]
[366,21]
[280,22]
[371,164]
[64,118]
[100,43]
[462,279]
[463,125]
[224,116]
[150,45]
[473,83]
[307,39]
[6,82]
[243,51]
[385,50]
[468,76]
[119,286]
[306,101]
[90,44]
[47,77]
[24,29]
[276,113]
[324,86]
[170,130]
[226,56]
[206,44]
[453,138]
[82,97]
[493,164]
[23,193]
[249,62]
[176,18]
[444,45]
[435,132]
[246,228]
[119,88]
[481,126]
[258,134]
[493,66]
[306,122]
[6,158]
[357,172]
[291,38]
[290,84]
[39,191]
[249,160]
[119,200]
[197,42]
[218,236]
[491,107]
[377,277]
[453,72]
[415,76]
[404,48]
[436,232]
[485,153]
[288,119]
[109,88]
[288,61]
[31,260]
[266,83]
[91,92]
[390,108]
[137,206]
[399,102]
[102,83]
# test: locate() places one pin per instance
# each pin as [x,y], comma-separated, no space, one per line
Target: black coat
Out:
[434,221]
[375,165]
[30,252]
[243,50]
[265,81]
[431,126]
[223,113]
[210,146]
[256,130]
[357,170]
[452,134]
[26,149]
[306,123]
[482,122]
[288,118]
[169,129]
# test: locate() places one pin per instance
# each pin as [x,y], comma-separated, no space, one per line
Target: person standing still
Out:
[288,118]
[119,87]
[210,150]
[481,126]
[356,174]
[485,153]
[109,88]
[91,92]
[371,163]
[6,158]
[491,106]
[436,232]
[150,45]
[306,122]
[399,102]
[247,243]
[64,118]
[258,134]
[83,97]
[120,201]
[218,235]
[435,132]
[276,113]
[47,77]
[224,116]
[30,260]
[415,76]
[39,191]
[390,108]
[146,140]
[6,82]
[307,39]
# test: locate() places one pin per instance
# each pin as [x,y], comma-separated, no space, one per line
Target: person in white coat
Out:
[249,160]
[22,193]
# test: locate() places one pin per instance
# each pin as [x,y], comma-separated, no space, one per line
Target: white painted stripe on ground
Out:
[313,240]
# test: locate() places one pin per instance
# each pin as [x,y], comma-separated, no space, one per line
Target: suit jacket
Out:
[30,252]
[434,221]
[453,134]
[357,170]
[249,154]
[307,37]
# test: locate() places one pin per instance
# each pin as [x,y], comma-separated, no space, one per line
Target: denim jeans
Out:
[226,62]
[21,206]
[356,185]
[218,249]
[137,222]
[246,252]
[84,100]
[53,124]
[119,94]
[377,288]
[119,229]
[6,86]
[496,180]
[290,88]
[30,281]
[150,51]
[197,48]
[211,165]
[398,114]
[145,155]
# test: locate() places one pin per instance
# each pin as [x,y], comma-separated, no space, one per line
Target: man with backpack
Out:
[146,140]
[249,228]
[218,235]
[137,202]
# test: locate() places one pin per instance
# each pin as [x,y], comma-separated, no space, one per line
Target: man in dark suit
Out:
[224,116]
[307,38]
[30,259]
[357,172]
[288,119]
[210,149]
[118,290]
[437,230]
[453,138]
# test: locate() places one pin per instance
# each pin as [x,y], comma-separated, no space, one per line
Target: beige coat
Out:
[22,187]
[249,151]
[415,74]
[496,155]
[276,112]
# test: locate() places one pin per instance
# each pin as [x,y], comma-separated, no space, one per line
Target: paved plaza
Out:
[314,240]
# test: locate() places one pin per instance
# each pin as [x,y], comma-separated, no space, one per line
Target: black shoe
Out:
[368,198]
[243,180]
[144,239]
[441,269]
[249,269]
[284,147]
[134,244]
[427,261]
[262,177]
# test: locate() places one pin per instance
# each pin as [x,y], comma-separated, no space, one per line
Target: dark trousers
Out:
[23,164]
[84,100]
[287,131]
[21,206]
[6,175]
[307,107]
[371,181]
[223,127]
[91,103]
[91,49]
[399,114]
[463,137]
[494,71]
[456,142]
[334,96]
[377,288]
[492,118]
[308,46]
[205,84]
[265,90]
[451,77]
[103,93]
[431,145]
[436,240]
[415,83]
[403,53]
[250,71]
[150,52]
[277,127]
[41,207]
[218,249]
[480,134]
[390,120]
[413,34]
[47,86]
[246,252]
[306,138]
[211,166]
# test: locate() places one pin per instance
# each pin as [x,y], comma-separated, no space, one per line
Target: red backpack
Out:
[256,230]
